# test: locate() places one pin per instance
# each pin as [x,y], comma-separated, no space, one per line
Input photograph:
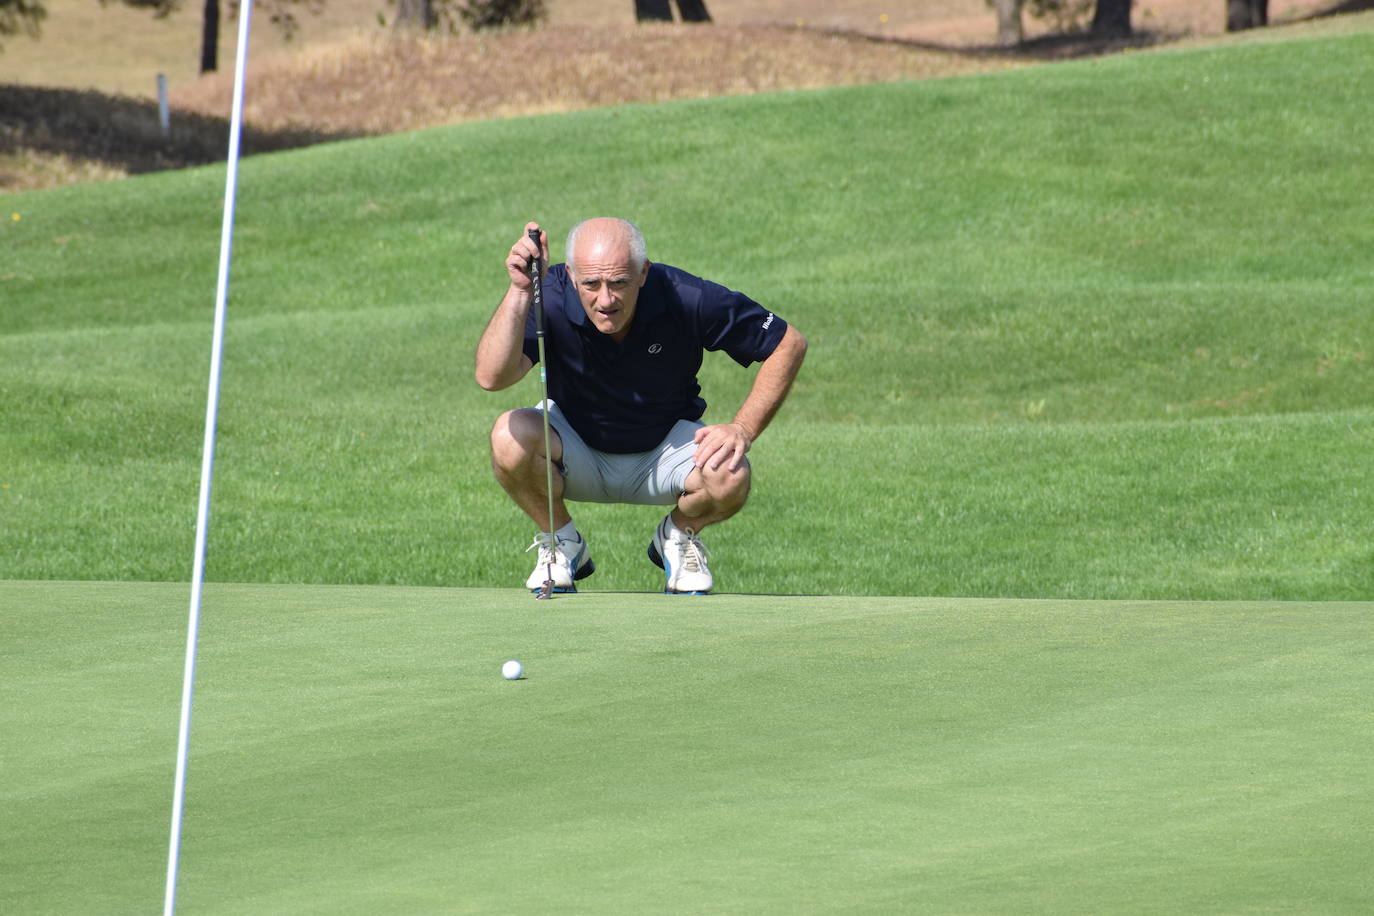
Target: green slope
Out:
[1122,278]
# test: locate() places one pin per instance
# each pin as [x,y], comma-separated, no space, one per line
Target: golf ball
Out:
[512,670]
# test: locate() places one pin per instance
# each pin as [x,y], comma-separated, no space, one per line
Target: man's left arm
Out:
[728,442]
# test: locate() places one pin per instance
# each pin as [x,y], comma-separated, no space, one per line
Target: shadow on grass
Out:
[1048,47]
[124,133]
[1076,44]
[1340,9]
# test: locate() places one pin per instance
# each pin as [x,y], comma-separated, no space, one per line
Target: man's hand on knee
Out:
[722,444]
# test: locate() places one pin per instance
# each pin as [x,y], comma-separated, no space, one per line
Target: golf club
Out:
[536,282]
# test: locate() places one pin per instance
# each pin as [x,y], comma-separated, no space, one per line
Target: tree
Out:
[489,14]
[1009,31]
[414,16]
[662,11]
[281,13]
[209,37]
[1066,17]
[1112,19]
[1246,14]
[653,11]
[209,26]
[693,11]
[427,15]
[21,16]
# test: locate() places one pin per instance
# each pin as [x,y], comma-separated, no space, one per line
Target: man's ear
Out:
[644,275]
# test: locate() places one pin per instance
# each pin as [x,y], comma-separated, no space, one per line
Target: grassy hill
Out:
[1095,330]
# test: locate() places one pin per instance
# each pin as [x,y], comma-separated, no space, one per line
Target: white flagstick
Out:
[207,465]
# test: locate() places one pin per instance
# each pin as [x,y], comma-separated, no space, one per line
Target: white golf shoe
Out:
[682,556]
[564,562]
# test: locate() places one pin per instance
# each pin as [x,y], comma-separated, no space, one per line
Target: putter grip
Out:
[537,286]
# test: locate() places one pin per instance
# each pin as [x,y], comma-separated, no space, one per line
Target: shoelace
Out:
[694,552]
[547,544]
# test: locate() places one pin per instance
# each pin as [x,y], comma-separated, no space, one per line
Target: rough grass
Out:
[379,85]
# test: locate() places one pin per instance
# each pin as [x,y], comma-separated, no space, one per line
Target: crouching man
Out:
[624,340]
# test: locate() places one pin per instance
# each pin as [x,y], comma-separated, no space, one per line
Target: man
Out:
[624,340]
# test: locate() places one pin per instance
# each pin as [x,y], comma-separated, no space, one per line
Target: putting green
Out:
[356,750]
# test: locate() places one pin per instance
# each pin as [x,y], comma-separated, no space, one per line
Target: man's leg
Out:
[708,496]
[517,457]
[711,496]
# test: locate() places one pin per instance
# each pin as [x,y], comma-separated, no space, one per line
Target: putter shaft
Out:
[536,282]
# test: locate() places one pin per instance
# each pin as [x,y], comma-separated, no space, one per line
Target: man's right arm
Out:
[501,360]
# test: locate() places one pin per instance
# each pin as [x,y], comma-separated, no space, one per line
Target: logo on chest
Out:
[656,348]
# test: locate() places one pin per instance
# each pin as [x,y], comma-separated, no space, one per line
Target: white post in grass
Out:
[207,465]
[164,112]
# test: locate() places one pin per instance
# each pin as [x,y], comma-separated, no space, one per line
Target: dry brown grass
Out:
[28,168]
[50,137]
[349,78]
[380,85]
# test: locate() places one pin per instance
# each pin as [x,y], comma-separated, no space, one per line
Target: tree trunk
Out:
[1112,19]
[693,10]
[209,37]
[1246,14]
[1009,33]
[414,16]
[653,11]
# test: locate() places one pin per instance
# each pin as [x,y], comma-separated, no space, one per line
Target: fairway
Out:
[356,750]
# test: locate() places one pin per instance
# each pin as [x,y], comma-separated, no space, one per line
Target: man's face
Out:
[607,283]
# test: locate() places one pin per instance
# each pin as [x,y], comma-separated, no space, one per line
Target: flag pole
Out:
[207,465]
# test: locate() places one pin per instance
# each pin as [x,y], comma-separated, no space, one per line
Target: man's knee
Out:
[517,435]
[514,427]
[726,485]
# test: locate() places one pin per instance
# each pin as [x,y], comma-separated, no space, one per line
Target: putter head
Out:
[545,590]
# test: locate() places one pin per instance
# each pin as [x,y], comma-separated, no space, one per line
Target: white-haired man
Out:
[624,341]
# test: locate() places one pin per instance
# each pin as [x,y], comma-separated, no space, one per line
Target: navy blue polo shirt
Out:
[625,397]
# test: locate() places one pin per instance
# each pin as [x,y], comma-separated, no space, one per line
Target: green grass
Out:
[355,750]
[1089,330]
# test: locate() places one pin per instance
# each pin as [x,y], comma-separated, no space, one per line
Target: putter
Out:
[536,281]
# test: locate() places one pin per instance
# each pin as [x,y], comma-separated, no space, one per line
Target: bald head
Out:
[608,266]
[606,236]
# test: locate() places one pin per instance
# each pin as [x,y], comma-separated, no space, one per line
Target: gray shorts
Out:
[653,478]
